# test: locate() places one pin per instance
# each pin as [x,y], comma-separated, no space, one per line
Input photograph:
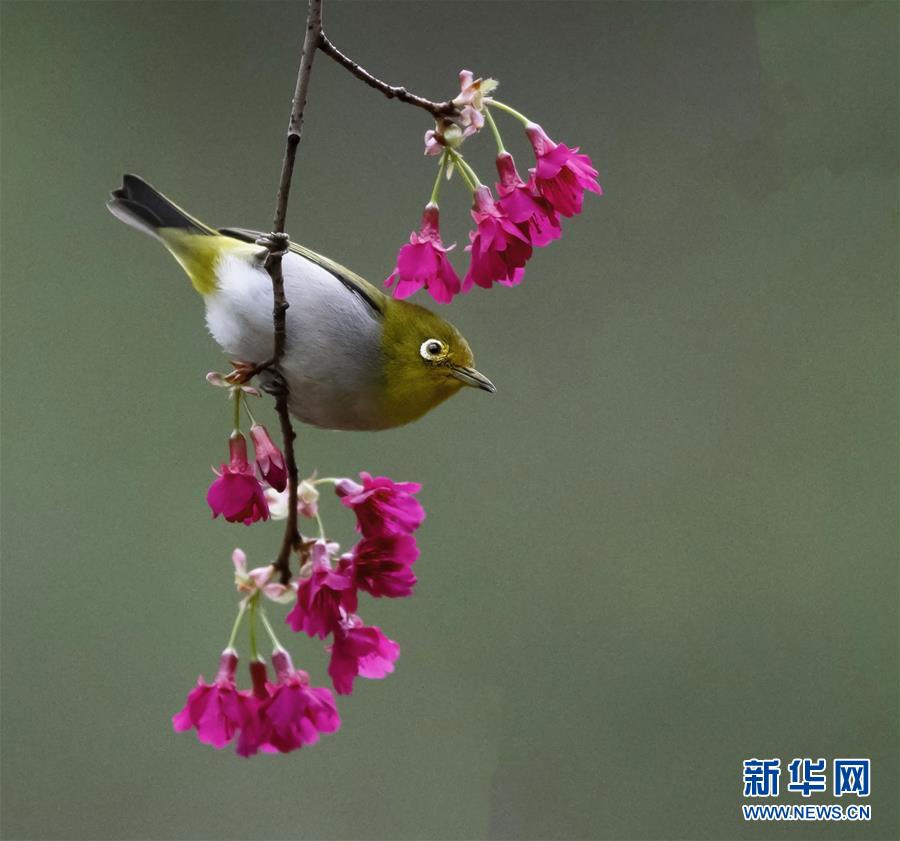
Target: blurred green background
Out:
[666,545]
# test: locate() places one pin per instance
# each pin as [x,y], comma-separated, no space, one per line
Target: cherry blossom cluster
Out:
[281,712]
[523,216]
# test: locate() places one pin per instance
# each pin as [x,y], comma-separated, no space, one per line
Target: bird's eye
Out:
[431,349]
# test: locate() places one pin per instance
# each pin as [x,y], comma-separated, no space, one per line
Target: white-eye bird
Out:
[355,358]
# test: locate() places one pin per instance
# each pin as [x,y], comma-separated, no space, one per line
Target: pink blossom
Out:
[382,565]
[269,459]
[321,596]
[290,713]
[470,101]
[259,580]
[561,175]
[498,247]
[360,650]
[532,213]
[423,262]
[236,493]
[433,143]
[256,730]
[382,507]
[217,710]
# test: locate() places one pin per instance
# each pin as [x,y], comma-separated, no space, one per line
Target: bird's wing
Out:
[374,297]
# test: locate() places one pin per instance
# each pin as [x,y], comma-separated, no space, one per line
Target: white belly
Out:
[331,362]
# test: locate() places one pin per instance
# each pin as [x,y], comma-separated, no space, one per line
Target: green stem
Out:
[237,409]
[237,624]
[249,413]
[268,627]
[437,181]
[511,111]
[254,652]
[489,118]
[321,525]
[329,480]
[467,173]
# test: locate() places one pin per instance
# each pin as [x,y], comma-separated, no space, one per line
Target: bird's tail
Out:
[143,207]
[196,246]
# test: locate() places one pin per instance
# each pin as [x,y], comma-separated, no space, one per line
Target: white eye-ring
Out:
[431,349]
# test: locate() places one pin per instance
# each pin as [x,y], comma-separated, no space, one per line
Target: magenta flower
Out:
[498,247]
[237,494]
[423,262]
[382,565]
[269,459]
[382,507]
[255,732]
[217,710]
[317,611]
[360,650]
[533,214]
[561,175]
[294,713]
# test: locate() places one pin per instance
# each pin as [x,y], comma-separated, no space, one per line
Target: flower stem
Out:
[237,393]
[494,130]
[249,413]
[437,181]
[268,627]
[326,480]
[511,111]
[237,624]
[254,652]
[467,173]
[321,525]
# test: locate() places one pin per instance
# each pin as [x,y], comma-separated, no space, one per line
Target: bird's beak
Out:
[471,377]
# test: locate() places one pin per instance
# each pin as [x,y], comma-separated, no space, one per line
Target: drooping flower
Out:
[498,247]
[561,175]
[260,580]
[269,459]
[382,565]
[294,713]
[216,710]
[533,214]
[423,262]
[360,650]
[382,507]
[322,596]
[255,732]
[236,493]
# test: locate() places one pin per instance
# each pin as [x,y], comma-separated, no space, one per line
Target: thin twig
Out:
[436,109]
[277,243]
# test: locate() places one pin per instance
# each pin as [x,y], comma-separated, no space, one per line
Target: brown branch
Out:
[436,109]
[277,243]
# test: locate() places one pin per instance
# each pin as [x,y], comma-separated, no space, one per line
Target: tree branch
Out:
[277,243]
[436,109]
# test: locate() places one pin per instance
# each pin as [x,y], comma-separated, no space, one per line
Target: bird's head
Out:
[425,360]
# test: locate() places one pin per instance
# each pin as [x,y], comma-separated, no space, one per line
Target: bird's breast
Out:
[332,361]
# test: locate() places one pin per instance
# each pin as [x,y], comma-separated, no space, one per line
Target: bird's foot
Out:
[245,371]
[276,245]
[273,383]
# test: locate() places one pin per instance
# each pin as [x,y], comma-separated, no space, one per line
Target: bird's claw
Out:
[244,371]
[273,383]
[275,243]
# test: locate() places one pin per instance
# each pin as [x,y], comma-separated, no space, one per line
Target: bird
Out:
[355,358]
